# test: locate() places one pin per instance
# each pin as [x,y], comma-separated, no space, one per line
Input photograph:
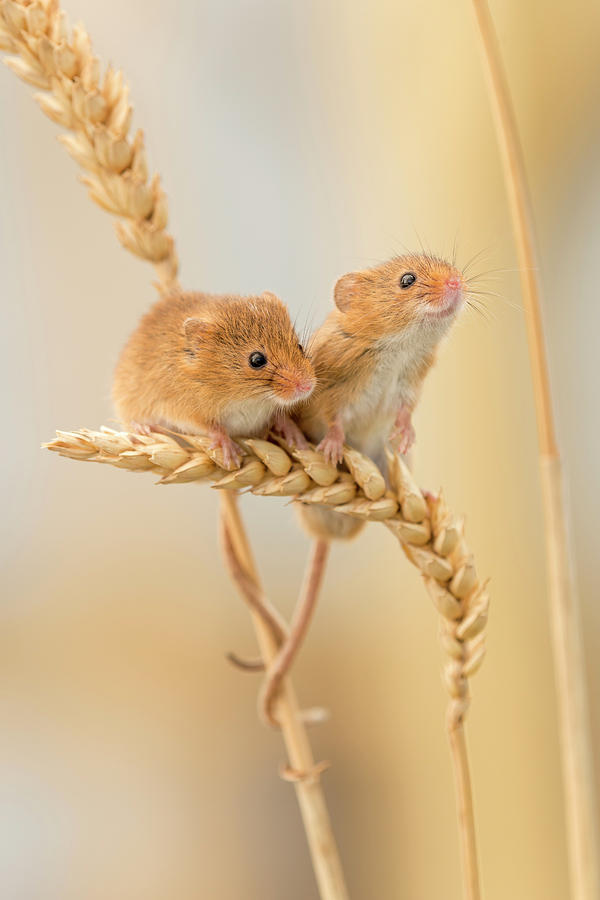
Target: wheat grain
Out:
[49,55]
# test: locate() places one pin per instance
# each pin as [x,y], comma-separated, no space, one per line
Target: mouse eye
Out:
[300,348]
[257,360]
[407,279]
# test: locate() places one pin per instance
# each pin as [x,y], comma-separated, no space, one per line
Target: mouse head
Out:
[248,349]
[403,291]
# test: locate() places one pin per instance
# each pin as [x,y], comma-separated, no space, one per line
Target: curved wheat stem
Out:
[46,53]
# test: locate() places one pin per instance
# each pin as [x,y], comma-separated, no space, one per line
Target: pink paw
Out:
[332,446]
[232,455]
[290,432]
[403,435]
[138,428]
[403,439]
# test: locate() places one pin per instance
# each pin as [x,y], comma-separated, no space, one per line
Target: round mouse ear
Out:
[346,290]
[269,295]
[195,329]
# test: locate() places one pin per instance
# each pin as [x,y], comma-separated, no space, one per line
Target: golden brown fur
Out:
[187,364]
[371,357]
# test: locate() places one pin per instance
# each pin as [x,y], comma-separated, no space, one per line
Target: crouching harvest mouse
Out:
[225,365]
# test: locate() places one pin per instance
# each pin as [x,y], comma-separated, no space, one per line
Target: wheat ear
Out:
[569,664]
[430,535]
[49,55]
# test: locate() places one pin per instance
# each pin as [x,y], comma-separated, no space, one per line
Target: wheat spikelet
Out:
[46,53]
[430,535]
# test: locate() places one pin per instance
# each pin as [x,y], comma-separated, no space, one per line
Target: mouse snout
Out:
[295,385]
[304,385]
[452,288]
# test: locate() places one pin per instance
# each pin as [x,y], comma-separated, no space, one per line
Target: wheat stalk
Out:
[430,535]
[302,770]
[569,663]
[46,53]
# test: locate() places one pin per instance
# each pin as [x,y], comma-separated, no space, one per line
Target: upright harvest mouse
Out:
[225,365]
[371,357]
[373,352]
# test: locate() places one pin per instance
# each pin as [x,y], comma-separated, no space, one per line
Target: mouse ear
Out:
[346,290]
[269,295]
[195,329]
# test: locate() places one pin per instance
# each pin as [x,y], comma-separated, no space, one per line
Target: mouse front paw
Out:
[403,435]
[289,431]
[232,454]
[332,445]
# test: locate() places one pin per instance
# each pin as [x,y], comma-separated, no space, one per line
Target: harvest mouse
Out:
[371,357]
[227,365]
[373,352]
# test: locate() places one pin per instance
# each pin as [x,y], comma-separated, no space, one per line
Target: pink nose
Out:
[304,386]
[453,283]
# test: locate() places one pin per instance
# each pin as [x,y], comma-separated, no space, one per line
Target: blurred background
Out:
[297,141]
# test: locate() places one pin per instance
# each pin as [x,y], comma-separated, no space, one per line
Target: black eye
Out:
[257,360]
[300,348]
[407,279]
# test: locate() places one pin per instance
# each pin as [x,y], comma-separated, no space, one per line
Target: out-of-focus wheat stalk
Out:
[430,535]
[577,757]
[49,55]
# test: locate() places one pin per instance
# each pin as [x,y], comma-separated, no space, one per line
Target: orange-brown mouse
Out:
[373,352]
[371,357]
[225,365]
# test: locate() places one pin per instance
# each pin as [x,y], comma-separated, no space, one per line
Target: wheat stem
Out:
[302,769]
[303,613]
[466,819]
[577,761]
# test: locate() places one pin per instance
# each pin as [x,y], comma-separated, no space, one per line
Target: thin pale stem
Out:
[303,613]
[464,803]
[251,592]
[578,780]
[323,849]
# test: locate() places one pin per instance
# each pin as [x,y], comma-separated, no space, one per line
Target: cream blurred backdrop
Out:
[297,141]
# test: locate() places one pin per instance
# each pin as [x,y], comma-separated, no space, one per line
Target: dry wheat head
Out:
[49,55]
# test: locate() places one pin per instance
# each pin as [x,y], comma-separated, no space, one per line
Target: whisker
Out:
[475,257]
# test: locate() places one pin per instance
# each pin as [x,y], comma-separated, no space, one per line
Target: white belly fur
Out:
[249,418]
[369,421]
